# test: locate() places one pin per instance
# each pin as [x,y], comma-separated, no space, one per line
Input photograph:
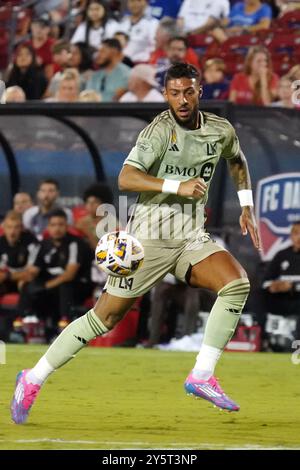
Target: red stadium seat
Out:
[234,63]
[9,300]
[282,63]
[281,43]
[290,19]
[240,44]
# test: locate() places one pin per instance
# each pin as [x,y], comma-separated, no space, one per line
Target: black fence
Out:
[80,143]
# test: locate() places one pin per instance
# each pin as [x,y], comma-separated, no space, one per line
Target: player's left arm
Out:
[238,169]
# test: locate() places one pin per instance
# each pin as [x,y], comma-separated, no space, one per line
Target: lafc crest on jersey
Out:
[173,145]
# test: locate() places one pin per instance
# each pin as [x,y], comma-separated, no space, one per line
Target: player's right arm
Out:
[132,179]
[150,148]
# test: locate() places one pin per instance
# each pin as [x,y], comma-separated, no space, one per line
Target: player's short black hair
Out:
[99,191]
[112,43]
[49,181]
[182,70]
[57,213]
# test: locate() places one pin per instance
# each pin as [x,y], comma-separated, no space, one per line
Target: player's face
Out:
[57,227]
[295,236]
[47,194]
[22,202]
[12,230]
[183,96]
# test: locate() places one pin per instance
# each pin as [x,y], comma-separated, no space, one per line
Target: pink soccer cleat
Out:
[210,390]
[23,399]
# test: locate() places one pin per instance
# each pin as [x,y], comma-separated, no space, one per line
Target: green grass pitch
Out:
[134,399]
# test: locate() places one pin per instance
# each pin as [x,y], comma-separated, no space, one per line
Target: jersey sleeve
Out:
[149,147]
[231,145]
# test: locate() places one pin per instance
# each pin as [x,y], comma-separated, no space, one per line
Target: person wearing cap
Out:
[42,44]
[142,86]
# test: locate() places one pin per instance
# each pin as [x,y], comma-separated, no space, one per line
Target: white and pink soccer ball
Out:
[119,254]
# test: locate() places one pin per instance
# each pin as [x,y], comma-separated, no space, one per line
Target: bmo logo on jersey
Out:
[277,207]
[206,171]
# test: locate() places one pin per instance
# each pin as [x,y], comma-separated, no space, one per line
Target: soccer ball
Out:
[119,254]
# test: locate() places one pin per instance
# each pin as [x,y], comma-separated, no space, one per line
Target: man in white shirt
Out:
[141,29]
[200,16]
[142,86]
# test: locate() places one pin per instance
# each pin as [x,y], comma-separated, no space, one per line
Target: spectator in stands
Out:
[287,5]
[282,279]
[82,60]
[111,81]
[61,272]
[248,16]
[216,86]
[257,84]
[96,27]
[35,219]
[17,252]
[22,202]
[13,94]
[68,87]
[162,8]
[201,17]
[61,59]
[94,196]
[141,28]
[294,72]
[26,74]
[167,30]
[89,96]
[42,44]
[285,93]
[175,52]
[142,86]
[123,39]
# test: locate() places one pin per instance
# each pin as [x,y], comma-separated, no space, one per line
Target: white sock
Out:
[206,361]
[40,372]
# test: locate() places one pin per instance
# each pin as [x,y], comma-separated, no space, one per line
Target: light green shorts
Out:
[160,260]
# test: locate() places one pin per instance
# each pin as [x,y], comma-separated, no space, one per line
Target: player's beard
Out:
[190,122]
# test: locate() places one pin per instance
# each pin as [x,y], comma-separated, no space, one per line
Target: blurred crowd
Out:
[107,50]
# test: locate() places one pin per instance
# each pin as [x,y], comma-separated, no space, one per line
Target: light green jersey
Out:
[166,150]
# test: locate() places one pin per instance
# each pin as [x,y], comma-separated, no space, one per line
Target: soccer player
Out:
[171,166]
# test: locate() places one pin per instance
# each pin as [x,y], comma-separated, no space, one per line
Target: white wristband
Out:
[170,186]
[245,197]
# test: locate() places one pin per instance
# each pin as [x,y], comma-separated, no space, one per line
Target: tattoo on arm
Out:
[238,169]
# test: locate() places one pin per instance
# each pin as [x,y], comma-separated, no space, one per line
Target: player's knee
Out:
[235,294]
